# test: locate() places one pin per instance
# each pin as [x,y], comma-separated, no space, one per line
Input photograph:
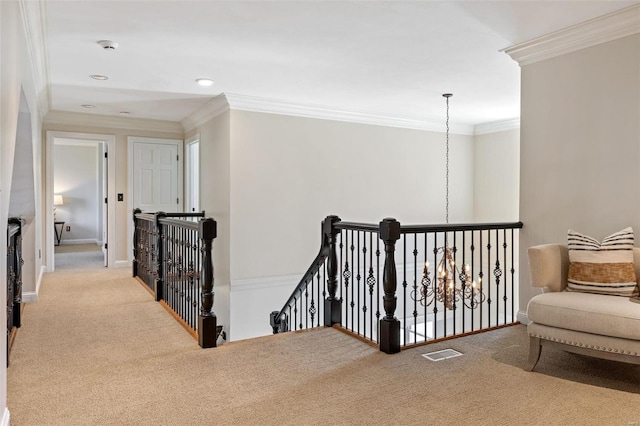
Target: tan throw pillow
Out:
[602,268]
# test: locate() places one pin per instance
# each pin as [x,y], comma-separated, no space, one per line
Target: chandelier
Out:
[445,289]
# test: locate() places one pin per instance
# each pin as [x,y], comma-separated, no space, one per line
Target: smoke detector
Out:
[108,44]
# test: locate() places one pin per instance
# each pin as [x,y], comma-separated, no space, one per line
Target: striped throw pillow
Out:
[602,268]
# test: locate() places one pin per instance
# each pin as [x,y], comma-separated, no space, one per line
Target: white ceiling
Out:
[392,58]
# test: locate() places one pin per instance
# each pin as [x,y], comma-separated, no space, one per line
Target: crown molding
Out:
[272,106]
[111,122]
[622,23]
[218,105]
[496,126]
[234,101]
[33,19]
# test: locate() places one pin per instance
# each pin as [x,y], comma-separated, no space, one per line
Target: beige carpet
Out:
[78,256]
[97,350]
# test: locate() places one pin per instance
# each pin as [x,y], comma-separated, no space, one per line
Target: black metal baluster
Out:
[504,259]
[513,270]
[425,304]
[473,271]
[364,286]
[353,284]
[313,299]
[489,301]
[404,288]
[435,290]
[341,278]
[324,290]
[464,284]
[306,304]
[446,289]
[480,275]
[497,273]
[371,282]
[416,288]
[295,314]
[455,284]
[358,277]
[377,289]
[347,275]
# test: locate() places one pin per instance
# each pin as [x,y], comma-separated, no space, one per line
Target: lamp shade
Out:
[57,200]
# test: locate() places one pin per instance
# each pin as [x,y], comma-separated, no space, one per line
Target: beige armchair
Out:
[597,325]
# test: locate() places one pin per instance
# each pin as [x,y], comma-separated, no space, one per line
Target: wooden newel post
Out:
[332,305]
[136,236]
[207,321]
[159,253]
[389,324]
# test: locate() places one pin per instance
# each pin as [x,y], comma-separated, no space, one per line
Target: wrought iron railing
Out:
[173,259]
[376,284]
[14,278]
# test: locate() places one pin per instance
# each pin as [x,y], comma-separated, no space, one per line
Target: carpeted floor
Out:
[96,349]
[78,256]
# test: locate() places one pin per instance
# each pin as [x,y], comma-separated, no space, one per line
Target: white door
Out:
[193,177]
[156,177]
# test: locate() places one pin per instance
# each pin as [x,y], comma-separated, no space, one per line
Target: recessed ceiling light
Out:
[108,44]
[87,106]
[204,82]
[99,77]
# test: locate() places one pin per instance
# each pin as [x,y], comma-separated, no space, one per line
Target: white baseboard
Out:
[121,264]
[6,417]
[30,297]
[522,317]
[79,241]
[34,295]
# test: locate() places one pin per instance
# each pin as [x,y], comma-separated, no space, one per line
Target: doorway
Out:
[80,204]
[192,200]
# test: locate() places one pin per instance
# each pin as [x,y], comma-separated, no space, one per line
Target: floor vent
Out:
[441,355]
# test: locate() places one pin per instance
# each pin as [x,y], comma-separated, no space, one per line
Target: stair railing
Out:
[173,259]
[14,278]
[382,284]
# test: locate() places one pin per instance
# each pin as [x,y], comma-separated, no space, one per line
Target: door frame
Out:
[131,141]
[109,142]
[195,139]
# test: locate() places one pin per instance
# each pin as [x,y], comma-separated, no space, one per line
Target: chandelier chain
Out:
[447,162]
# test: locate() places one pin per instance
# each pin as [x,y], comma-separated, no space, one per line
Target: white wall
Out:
[214,200]
[289,173]
[16,75]
[580,146]
[75,175]
[496,177]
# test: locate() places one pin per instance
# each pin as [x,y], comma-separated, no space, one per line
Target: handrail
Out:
[179,223]
[356,226]
[276,316]
[186,214]
[409,229]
